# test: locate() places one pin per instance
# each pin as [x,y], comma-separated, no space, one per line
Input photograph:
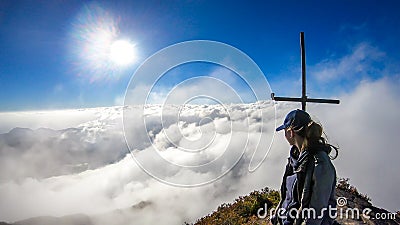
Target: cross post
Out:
[304,99]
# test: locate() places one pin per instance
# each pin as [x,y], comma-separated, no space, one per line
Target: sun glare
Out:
[122,52]
[100,52]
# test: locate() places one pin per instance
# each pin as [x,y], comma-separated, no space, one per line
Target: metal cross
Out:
[304,99]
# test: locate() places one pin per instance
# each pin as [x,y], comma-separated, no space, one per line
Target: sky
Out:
[50,59]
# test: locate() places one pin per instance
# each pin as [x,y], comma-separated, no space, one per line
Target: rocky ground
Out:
[351,208]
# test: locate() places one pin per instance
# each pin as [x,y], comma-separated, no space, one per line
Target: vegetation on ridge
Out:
[243,210]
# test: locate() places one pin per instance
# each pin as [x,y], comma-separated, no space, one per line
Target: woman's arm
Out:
[323,183]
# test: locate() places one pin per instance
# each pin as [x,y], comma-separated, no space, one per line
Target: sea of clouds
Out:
[77,161]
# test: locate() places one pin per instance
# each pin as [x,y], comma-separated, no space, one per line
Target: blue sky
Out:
[42,62]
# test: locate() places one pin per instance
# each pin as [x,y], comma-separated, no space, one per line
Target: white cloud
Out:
[87,145]
[337,75]
[119,100]
[45,119]
[358,64]
[123,184]
[364,125]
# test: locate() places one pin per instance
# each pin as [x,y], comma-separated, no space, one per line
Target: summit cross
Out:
[304,99]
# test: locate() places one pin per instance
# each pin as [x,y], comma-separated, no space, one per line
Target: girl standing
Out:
[308,185]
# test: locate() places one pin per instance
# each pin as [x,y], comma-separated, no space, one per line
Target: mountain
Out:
[66,151]
[245,209]
[78,219]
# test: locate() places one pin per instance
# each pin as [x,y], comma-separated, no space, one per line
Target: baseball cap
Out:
[296,119]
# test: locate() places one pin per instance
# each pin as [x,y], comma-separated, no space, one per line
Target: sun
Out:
[122,52]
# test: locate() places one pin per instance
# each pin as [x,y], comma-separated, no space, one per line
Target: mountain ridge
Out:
[245,209]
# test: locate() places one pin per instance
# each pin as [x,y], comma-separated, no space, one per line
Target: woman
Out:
[308,186]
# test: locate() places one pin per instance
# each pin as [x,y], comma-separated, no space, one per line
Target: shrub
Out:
[344,184]
[243,210]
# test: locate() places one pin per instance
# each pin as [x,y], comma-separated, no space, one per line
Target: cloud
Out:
[123,184]
[87,146]
[356,65]
[363,125]
[119,100]
[45,119]
[338,75]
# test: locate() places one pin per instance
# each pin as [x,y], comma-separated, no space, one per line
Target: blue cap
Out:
[296,119]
